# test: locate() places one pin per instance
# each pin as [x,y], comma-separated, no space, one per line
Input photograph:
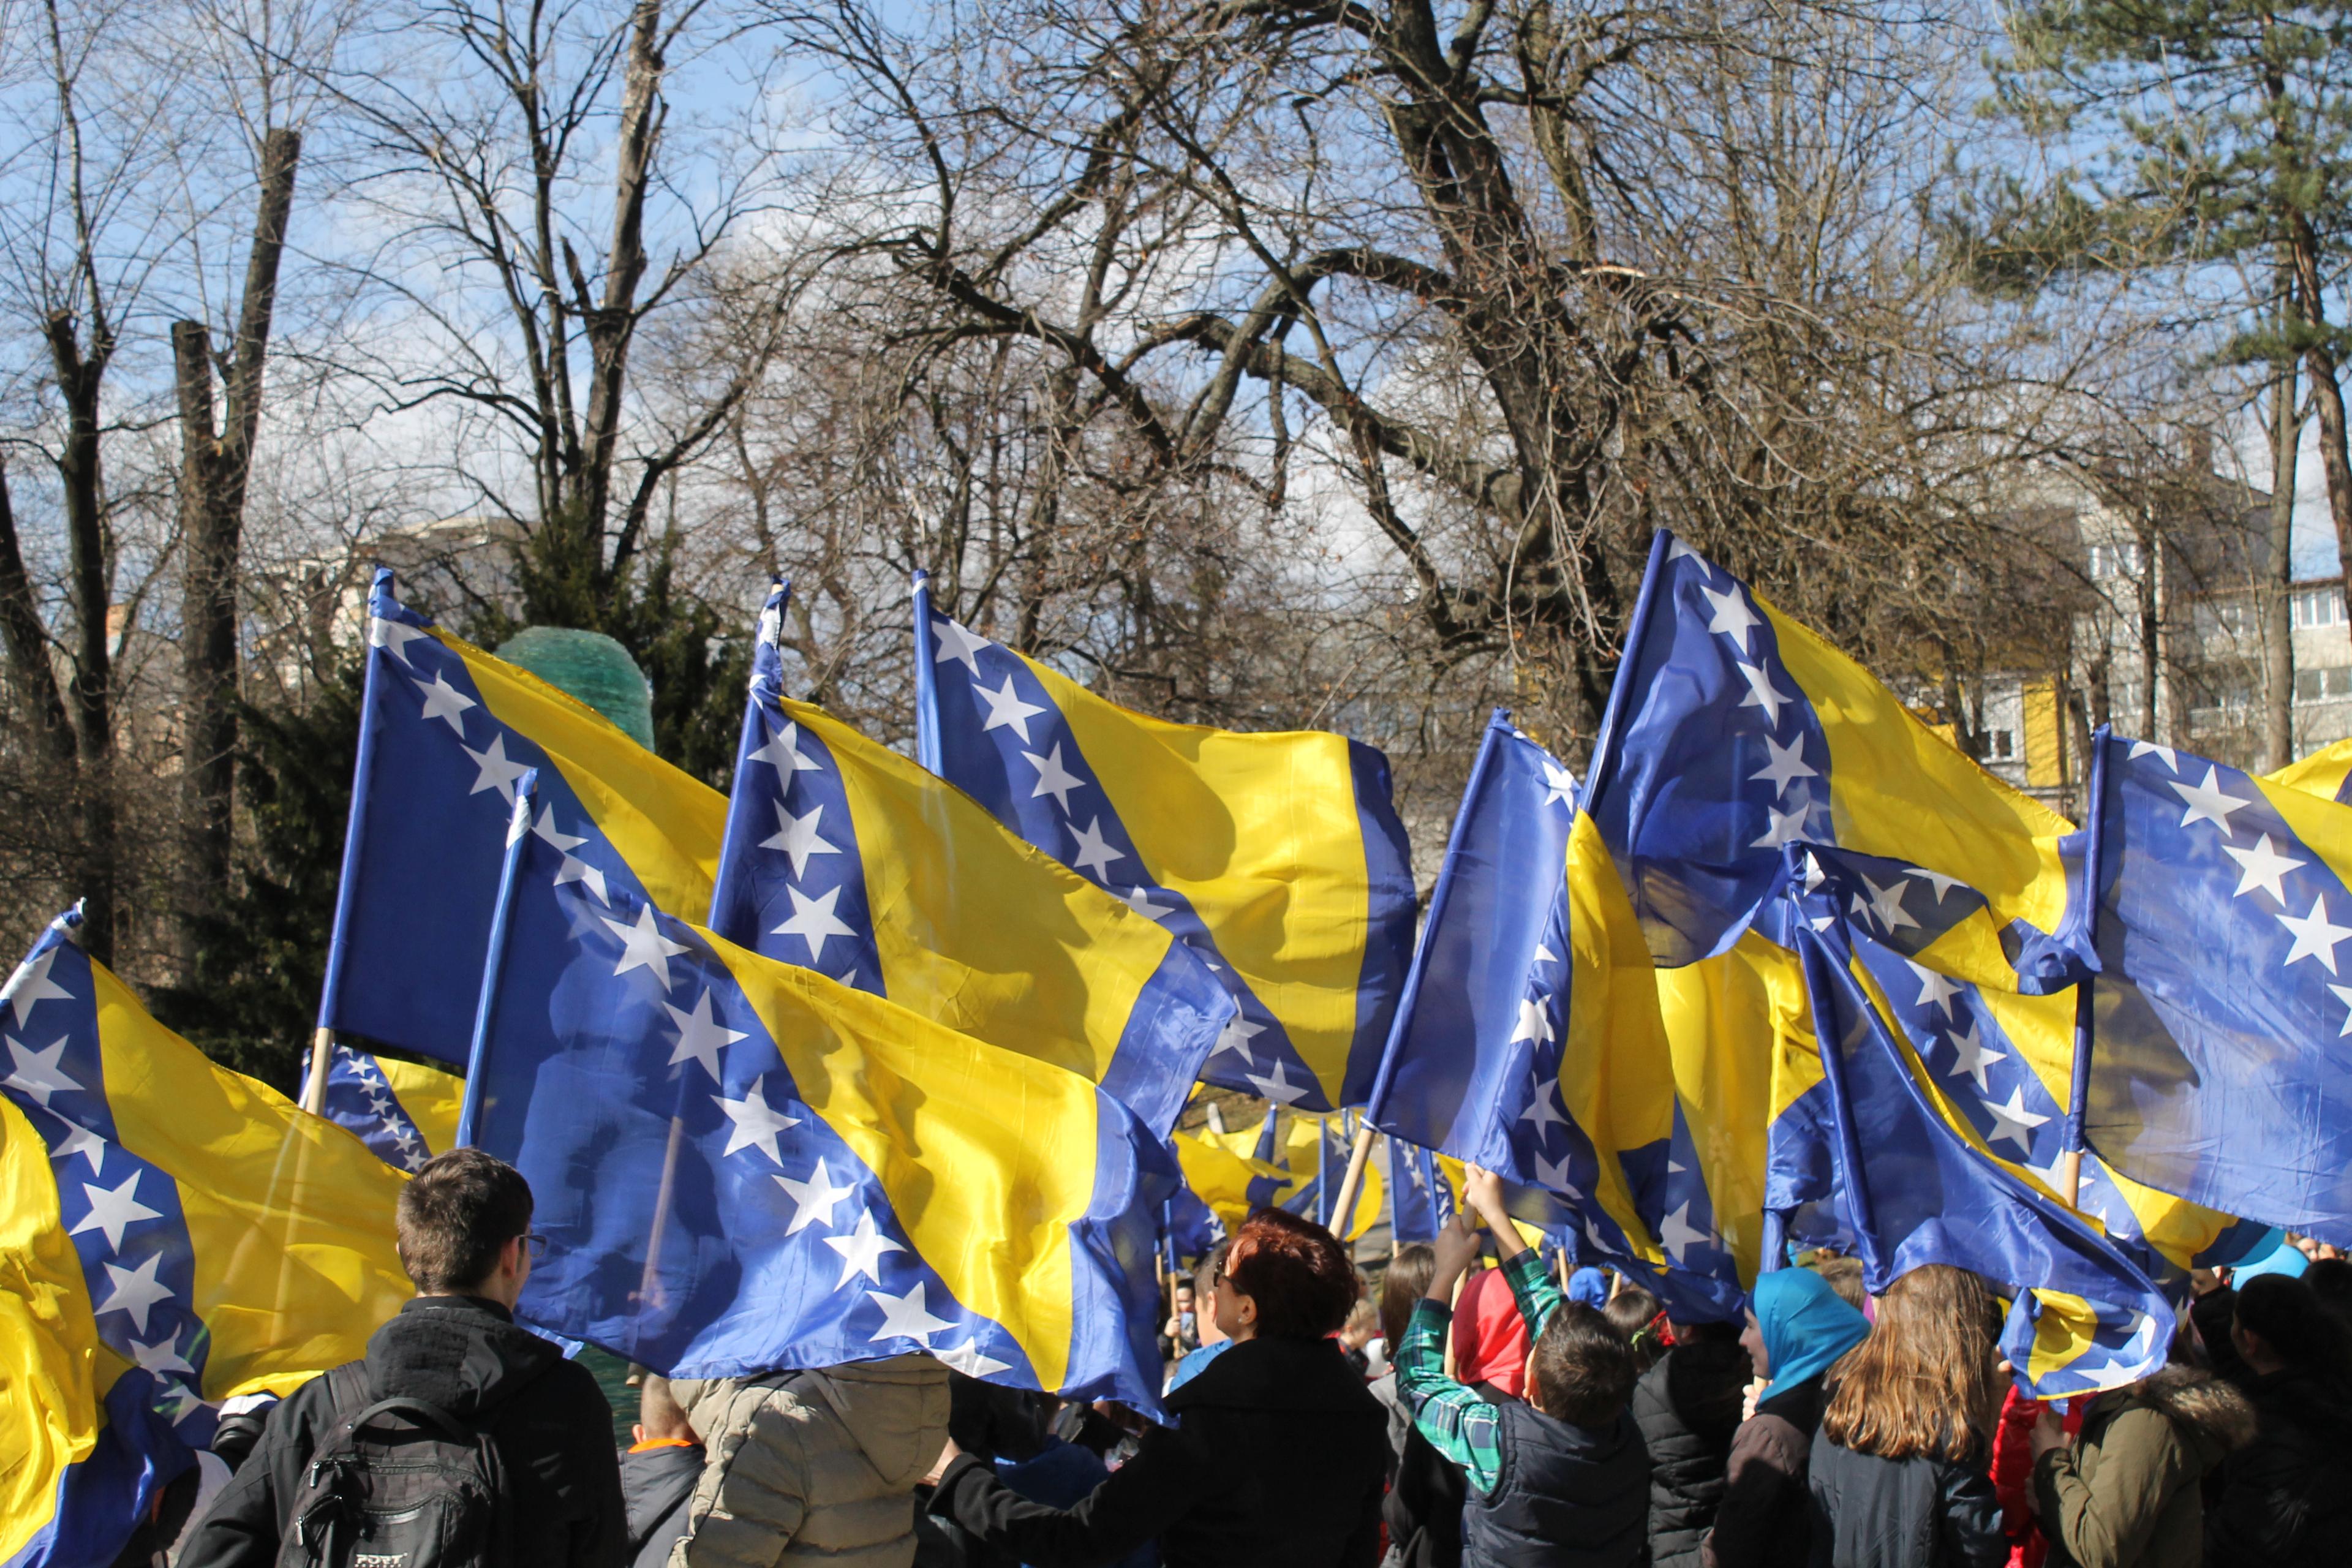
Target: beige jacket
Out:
[813,1466]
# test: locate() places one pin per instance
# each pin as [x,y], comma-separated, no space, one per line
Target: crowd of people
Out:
[1465,1416]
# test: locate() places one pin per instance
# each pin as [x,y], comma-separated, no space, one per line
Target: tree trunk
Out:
[215,469]
[89,694]
[2278,598]
[27,642]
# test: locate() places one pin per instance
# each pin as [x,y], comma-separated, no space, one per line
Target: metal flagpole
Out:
[494,960]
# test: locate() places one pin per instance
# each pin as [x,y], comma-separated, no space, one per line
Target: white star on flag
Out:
[814,921]
[493,770]
[1761,692]
[782,753]
[701,1036]
[1678,550]
[969,1360]
[2208,802]
[861,1250]
[1139,899]
[1535,1020]
[1094,852]
[444,701]
[1235,1036]
[2262,867]
[80,1141]
[2012,1122]
[573,869]
[958,644]
[1542,1111]
[814,1199]
[1560,786]
[1786,827]
[115,1211]
[1886,903]
[41,1073]
[1555,1176]
[135,1291]
[1677,1235]
[906,1317]
[1936,879]
[643,946]
[1731,615]
[2313,936]
[1278,1087]
[2150,749]
[163,1356]
[31,986]
[393,636]
[1934,990]
[757,1123]
[1053,778]
[797,837]
[1787,766]
[1005,708]
[2343,994]
[1971,1056]
[1545,954]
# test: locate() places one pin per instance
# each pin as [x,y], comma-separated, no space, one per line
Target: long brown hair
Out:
[1927,1381]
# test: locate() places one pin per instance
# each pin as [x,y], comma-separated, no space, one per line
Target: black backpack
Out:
[400,1483]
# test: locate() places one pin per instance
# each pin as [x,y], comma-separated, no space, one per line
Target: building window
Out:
[2000,744]
[2319,607]
[2323,685]
[2120,558]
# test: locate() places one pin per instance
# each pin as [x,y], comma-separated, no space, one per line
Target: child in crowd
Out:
[658,1474]
[1560,1479]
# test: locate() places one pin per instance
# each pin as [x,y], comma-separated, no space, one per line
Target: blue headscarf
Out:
[1806,1324]
[1590,1286]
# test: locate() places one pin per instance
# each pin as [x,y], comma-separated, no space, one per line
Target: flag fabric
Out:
[2002,1064]
[404,1112]
[2326,772]
[178,1236]
[1424,1190]
[1280,857]
[745,1165]
[843,855]
[2220,1067]
[1531,1040]
[1225,1181]
[1732,731]
[446,732]
[1188,1229]
[1913,1184]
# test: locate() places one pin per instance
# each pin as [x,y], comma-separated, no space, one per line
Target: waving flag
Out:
[1225,1181]
[1531,1039]
[177,1236]
[843,855]
[1733,730]
[2220,1067]
[446,731]
[2326,772]
[405,1113]
[746,1165]
[1426,1190]
[1915,1184]
[1278,857]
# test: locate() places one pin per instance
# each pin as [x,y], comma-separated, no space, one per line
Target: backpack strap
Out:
[347,1387]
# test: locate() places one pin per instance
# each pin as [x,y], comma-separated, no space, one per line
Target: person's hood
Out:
[1590,1286]
[2211,1416]
[1279,1375]
[1490,1338]
[463,1353]
[1805,1323]
[655,1480]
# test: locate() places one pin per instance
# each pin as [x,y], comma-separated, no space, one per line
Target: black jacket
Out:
[1766,1517]
[1870,1512]
[1277,1460]
[552,1426]
[1564,1496]
[654,1485]
[1423,1508]
[1687,1407]
[2286,1498]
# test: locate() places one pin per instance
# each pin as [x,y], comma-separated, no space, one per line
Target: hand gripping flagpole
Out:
[494,957]
[2078,1089]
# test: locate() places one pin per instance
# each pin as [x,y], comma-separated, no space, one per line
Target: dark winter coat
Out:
[1765,1519]
[1870,1512]
[550,1422]
[655,1486]
[1566,1496]
[1423,1508]
[1277,1460]
[2286,1497]
[1687,1407]
[2128,1494]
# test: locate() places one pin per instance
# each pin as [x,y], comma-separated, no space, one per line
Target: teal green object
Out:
[592,668]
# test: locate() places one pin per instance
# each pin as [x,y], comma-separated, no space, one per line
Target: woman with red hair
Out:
[1278,1454]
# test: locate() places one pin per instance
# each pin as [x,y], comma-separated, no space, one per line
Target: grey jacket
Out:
[813,1466]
